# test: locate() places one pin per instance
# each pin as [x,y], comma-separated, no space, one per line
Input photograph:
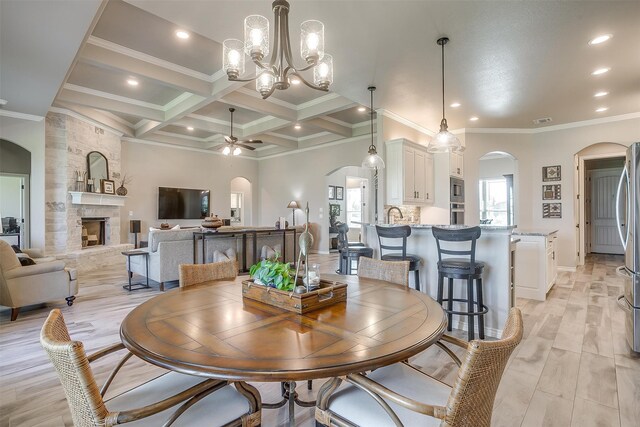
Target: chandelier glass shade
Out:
[444,141]
[278,71]
[373,159]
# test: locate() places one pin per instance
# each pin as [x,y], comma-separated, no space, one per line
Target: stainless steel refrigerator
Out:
[628,220]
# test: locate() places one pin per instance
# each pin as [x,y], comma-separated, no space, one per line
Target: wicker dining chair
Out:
[380,398]
[192,274]
[172,399]
[390,271]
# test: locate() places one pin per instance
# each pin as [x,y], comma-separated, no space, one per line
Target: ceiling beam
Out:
[107,119]
[71,94]
[257,104]
[267,124]
[104,57]
[332,127]
[279,141]
[327,104]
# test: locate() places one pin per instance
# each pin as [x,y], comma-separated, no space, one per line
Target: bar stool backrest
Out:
[392,233]
[468,234]
[343,240]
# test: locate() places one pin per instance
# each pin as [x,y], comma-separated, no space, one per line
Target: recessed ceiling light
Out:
[189,128]
[297,126]
[455,105]
[132,82]
[295,81]
[600,94]
[362,109]
[473,119]
[600,71]
[600,39]
[181,34]
[601,109]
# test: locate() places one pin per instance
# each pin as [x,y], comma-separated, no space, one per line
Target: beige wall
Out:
[243,185]
[30,135]
[533,151]
[152,166]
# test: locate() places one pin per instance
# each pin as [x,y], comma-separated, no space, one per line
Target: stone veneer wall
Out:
[410,214]
[68,140]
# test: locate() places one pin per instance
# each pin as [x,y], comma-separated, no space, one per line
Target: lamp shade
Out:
[134,226]
[293,205]
[444,141]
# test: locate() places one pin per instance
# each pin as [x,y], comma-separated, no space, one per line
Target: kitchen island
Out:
[494,247]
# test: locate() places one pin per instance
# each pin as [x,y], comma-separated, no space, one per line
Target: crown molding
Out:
[96,41]
[22,116]
[86,120]
[393,116]
[180,136]
[315,147]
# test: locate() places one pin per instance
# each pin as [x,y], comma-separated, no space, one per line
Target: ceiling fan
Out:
[233,145]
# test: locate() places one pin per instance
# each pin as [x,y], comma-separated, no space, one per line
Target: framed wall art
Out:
[552,210]
[332,192]
[339,193]
[108,186]
[551,192]
[551,173]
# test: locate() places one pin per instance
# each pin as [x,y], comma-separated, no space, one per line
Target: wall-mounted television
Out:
[182,203]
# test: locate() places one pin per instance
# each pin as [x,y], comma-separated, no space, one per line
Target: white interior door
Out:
[604,234]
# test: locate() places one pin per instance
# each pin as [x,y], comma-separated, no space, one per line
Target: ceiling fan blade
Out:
[248,147]
[253,141]
[229,139]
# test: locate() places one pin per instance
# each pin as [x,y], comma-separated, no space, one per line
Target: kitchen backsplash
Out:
[410,215]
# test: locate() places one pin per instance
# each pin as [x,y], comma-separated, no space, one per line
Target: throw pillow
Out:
[16,249]
[25,261]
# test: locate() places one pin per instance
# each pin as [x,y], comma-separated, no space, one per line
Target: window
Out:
[496,200]
[354,207]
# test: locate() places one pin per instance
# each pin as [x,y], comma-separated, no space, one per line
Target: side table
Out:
[130,254]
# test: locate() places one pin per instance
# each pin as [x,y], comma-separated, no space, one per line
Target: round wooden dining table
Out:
[210,330]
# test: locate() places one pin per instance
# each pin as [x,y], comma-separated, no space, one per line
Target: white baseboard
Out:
[320,252]
[569,269]
[460,324]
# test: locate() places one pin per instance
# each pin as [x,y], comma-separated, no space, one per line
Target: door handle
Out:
[619,224]
[624,304]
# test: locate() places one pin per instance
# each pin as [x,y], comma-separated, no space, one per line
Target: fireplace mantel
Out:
[100,199]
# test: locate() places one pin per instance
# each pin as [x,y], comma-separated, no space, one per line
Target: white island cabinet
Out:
[536,263]
[494,248]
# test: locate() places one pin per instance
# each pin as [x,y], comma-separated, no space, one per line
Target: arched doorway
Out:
[601,161]
[241,202]
[497,189]
[15,173]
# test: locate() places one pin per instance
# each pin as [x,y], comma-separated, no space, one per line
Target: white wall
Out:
[30,135]
[243,185]
[152,166]
[496,168]
[535,150]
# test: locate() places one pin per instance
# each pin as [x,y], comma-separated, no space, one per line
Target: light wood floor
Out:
[572,369]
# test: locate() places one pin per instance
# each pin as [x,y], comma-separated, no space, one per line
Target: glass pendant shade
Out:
[233,57]
[256,36]
[373,160]
[323,72]
[444,141]
[312,41]
[226,150]
[237,151]
[265,81]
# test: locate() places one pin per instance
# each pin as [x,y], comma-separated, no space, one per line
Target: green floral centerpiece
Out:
[272,273]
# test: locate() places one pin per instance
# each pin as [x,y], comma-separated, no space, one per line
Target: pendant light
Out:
[373,160]
[444,141]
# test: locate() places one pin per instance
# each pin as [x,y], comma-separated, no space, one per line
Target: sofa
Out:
[169,248]
[33,284]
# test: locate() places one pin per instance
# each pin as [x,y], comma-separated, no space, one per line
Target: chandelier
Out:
[444,141]
[280,71]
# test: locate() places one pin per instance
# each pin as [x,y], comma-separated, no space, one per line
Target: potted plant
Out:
[272,273]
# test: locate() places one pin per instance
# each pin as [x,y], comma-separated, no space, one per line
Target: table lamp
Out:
[293,205]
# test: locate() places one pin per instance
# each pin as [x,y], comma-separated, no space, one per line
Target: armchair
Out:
[34,284]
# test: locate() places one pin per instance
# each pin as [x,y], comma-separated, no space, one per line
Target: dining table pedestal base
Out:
[290,397]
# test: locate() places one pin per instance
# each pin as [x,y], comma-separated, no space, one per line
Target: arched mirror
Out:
[98,166]
[496,172]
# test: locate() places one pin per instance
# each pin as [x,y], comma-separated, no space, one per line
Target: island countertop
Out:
[484,227]
[494,248]
[533,232]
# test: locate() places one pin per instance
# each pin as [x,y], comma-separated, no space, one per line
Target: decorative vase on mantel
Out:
[121,191]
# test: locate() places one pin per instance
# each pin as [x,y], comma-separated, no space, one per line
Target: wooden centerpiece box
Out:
[328,293]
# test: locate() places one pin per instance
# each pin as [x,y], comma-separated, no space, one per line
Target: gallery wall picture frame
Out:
[551,192]
[339,193]
[332,192]
[551,173]
[107,186]
[552,210]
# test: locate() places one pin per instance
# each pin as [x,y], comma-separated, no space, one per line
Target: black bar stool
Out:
[399,232]
[461,268]
[350,251]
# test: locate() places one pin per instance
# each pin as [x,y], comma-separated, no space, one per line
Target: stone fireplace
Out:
[68,140]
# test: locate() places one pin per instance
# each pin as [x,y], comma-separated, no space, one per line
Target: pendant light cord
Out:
[443,80]
[371,118]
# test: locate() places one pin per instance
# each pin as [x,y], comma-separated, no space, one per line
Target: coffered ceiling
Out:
[508,63]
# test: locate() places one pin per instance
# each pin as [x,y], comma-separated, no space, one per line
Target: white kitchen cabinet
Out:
[456,165]
[409,173]
[536,268]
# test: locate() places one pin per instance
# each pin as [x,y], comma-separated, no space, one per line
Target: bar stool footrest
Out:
[485,309]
